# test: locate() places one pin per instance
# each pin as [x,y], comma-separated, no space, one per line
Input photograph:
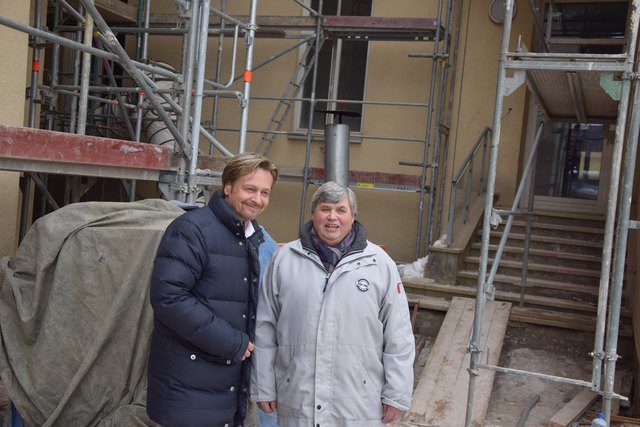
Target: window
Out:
[593,20]
[350,74]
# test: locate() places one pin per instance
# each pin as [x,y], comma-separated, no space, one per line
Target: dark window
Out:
[352,71]
[590,21]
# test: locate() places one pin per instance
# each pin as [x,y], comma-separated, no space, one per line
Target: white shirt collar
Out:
[248,229]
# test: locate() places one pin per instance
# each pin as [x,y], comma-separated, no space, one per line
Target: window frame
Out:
[318,133]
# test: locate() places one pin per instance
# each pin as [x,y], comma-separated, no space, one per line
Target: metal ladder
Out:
[296,81]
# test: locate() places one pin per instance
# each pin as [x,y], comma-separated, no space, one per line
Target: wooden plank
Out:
[574,409]
[20,143]
[366,178]
[441,394]
[437,357]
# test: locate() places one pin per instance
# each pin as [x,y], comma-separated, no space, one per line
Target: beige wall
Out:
[391,217]
[14,61]
[475,96]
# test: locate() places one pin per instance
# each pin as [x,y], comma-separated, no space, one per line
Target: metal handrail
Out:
[488,286]
[467,168]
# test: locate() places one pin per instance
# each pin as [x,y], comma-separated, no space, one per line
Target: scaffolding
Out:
[168,103]
[89,96]
[524,67]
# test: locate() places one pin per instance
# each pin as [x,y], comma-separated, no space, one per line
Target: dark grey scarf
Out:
[331,255]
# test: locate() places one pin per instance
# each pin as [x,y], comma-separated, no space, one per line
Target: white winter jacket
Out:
[332,348]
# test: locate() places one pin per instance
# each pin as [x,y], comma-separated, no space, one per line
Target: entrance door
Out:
[573,167]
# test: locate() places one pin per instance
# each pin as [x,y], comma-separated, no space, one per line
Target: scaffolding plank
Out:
[365,179]
[440,397]
[116,9]
[39,150]
[574,409]
[361,179]
[359,27]
[381,28]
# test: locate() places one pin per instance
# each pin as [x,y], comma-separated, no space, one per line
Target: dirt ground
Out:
[532,348]
[547,350]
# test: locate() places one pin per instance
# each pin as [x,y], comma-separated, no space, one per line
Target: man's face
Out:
[333,221]
[249,194]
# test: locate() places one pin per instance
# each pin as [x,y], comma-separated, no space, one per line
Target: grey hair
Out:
[332,192]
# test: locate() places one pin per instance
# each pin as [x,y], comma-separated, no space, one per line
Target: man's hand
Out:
[247,352]
[389,413]
[267,407]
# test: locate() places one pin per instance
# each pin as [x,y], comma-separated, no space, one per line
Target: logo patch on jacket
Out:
[362,285]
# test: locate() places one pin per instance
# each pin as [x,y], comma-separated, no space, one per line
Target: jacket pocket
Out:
[357,385]
[295,381]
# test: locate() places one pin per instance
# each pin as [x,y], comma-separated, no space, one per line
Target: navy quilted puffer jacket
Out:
[204,293]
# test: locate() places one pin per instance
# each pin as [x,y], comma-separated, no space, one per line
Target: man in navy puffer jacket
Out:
[204,293]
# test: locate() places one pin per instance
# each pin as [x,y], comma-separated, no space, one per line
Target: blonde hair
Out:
[245,163]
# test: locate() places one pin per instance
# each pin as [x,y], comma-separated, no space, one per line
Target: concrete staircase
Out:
[563,272]
[564,259]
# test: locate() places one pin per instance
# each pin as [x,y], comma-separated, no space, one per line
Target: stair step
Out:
[544,253]
[534,282]
[420,286]
[560,227]
[550,239]
[540,267]
[538,316]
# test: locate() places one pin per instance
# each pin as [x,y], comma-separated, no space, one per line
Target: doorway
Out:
[573,167]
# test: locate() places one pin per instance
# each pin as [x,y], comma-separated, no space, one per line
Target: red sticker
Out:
[399,287]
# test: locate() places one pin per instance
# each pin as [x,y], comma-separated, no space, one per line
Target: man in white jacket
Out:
[334,345]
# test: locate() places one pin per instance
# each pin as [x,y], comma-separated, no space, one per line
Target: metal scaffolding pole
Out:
[443,60]
[85,74]
[474,346]
[33,92]
[142,49]
[612,202]
[622,232]
[312,103]
[567,62]
[248,70]
[218,73]
[425,156]
[203,38]
[134,72]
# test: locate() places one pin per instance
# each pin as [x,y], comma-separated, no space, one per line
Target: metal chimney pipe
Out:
[336,153]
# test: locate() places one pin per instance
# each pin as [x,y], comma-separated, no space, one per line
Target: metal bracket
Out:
[612,87]
[513,83]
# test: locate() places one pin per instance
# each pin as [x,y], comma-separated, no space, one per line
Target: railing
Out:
[488,286]
[469,182]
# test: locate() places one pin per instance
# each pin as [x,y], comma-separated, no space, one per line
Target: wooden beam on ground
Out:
[574,409]
[440,397]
